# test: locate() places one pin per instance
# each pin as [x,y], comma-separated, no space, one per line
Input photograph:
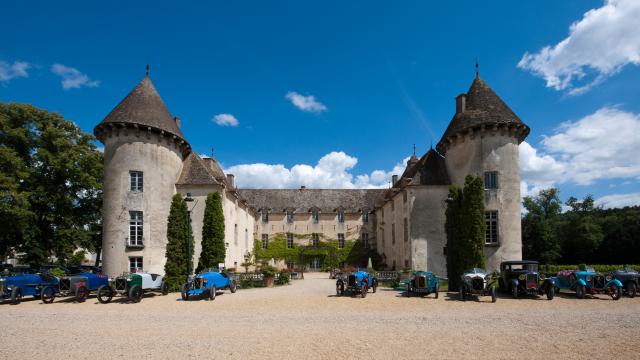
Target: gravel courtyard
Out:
[305,320]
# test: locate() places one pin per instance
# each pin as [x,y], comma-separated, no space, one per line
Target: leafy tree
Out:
[50,185]
[540,240]
[465,227]
[621,235]
[580,232]
[213,247]
[179,250]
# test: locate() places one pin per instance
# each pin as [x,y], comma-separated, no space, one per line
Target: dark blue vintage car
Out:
[358,282]
[522,277]
[588,282]
[81,284]
[630,280]
[423,283]
[43,286]
[207,283]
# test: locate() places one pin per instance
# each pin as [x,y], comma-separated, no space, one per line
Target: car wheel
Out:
[551,293]
[514,291]
[47,294]
[580,291]
[461,292]
[233,286]
[492,292]
[212,292]
[135,293]
[164,288]
[631,289]
[437,290]
[339,288]
[105,294]
[184,293]
[557,290]
[16,295]
[408,290]
[363,290]
[81,294]
[615,291]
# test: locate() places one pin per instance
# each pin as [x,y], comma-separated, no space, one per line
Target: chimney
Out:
[231,181]
[177,120]
[302,187]
[461,103]
[394,180]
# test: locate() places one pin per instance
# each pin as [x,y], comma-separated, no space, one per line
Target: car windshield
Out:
[528,267]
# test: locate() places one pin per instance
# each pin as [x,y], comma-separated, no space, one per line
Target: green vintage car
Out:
[132,286]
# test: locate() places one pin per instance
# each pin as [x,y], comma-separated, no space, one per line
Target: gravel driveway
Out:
[306,321]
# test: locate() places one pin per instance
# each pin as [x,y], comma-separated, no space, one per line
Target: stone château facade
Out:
[148,160]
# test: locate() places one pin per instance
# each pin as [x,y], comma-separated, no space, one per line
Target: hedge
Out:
[554,269]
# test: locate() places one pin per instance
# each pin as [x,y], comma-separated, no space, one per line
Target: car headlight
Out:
[608,277]
[128,279]
[521,277]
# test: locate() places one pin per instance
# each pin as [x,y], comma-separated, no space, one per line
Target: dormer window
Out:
[289,216]
[341,215]
[365,217]
[265,216]
[315,216]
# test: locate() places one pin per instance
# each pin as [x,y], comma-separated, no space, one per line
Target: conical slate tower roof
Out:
[143,107]
[483,108]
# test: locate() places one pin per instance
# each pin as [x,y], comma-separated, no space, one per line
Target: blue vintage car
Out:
[588,281]
[423,283]
[207,283]
[81,284]
[43,286]
[358,282]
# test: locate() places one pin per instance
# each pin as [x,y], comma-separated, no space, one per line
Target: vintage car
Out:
[630,280]
[477,282]
[81,284]
[523,278]
[43,286]
[357,282]
[133,286]
[588,282]
[423,283]
[207,283]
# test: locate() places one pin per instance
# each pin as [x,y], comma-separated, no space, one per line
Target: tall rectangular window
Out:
[340,241]
[265,241]
[365,217]
[235,234]
[406,230]
[365,240]
[135,228]
[135,180]
[289,240]
[265,216]
[289,216]
[315,216]
[393,234]
[341,216]
[246,239]
[135,264]
[491,219]
[314,239]
[491,180]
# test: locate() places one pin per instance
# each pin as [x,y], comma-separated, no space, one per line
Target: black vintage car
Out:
[523,278]
[630,280]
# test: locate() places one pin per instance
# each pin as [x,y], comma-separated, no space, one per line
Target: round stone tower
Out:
[143,153]
[482,139]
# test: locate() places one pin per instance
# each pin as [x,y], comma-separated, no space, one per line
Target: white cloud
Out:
[600,146]
[618,200]
[225,120]
[72,78]
[333,171]
[305,103]
[9,71]
[598,46]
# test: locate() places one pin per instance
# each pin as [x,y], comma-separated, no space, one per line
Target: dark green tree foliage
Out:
[580,231]
[50,185]
[213,247]
[465,227]
[540,240]
[621,240]
[179,251]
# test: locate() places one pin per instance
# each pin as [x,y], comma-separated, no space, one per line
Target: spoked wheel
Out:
[104,294]
[580,291]
[233,286]
[363,290]
[461,293]
[184,293]
[212,292]
[492,292]
[48,294]
[339,289]
[16,295]
[135,293]
[551,293]
[615,292]
[164,288]
[631,289]
[514,291]
[82,293]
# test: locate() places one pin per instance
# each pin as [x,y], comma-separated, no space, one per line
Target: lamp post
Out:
[188,198]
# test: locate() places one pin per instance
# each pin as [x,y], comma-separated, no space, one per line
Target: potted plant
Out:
[268,275]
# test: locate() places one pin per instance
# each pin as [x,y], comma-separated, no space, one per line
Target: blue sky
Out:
[369,80]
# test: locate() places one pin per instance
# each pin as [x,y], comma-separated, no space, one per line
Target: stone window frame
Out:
[490,180]
[290,215]
[136,181]
[341,215]
[290,240]
[341,241]
[264,214]
[315,239]
[406,230]
[134,261]
[315,215]
[492,235]
[365,217]
[136,229]
[265,241]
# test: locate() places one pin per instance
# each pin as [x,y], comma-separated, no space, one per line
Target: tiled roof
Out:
[196,171]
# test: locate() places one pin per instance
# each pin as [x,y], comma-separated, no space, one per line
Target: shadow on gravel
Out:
[454,296]
[203,297]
